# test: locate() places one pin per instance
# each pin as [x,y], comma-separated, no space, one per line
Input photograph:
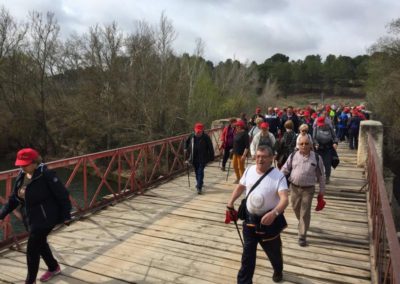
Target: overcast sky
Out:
[245,30]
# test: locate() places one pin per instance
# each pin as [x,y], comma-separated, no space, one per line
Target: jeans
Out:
[38,247]
[272,248]
[199,172]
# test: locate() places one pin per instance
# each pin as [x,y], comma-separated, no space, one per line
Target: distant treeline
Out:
[105,89]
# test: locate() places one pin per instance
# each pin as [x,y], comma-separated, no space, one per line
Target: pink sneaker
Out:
[50,274]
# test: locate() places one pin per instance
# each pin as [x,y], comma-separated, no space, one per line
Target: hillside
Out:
[301,100]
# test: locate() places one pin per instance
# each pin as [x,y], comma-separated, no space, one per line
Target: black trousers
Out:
[225,158]
[38,247]
[272,248]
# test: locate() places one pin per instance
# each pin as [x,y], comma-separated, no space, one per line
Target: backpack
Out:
[265,141]
[323,136]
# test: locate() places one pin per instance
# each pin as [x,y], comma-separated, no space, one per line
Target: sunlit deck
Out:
[172,235]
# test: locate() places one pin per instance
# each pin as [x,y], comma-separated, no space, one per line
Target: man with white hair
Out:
[303,168]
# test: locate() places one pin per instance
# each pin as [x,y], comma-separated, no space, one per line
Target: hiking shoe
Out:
[277,276]
[50,274]
[302,242]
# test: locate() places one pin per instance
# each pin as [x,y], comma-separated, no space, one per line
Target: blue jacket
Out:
[46,201]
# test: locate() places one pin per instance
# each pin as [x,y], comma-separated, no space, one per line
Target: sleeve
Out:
[282,185]
[11,204]
[246,141]
[287,167]
[254,144]
[320,173]
[334,138]
[60,193]
[210,149]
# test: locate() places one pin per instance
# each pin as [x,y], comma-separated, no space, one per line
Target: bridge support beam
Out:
[375,128]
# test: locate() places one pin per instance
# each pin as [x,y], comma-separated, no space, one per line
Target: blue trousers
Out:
[272,248]
[199,172]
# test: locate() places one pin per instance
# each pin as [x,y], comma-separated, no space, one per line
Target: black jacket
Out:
[200,149]
[46,201]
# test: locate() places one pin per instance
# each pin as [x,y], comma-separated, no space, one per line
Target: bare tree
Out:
[43,48]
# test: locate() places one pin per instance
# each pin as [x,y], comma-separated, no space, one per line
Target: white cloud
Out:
[245,30]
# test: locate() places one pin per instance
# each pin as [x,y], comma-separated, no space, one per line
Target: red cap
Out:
[264,125]
[306,113]
[240,123]
[25,157]
[198,127]
[321,121]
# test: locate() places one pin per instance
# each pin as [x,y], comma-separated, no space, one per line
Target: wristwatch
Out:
[276,212]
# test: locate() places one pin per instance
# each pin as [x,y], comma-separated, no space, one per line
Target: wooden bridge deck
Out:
[172,235]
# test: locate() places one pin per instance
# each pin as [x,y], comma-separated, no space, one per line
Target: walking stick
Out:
[227,174]
[240,235]
[188,174]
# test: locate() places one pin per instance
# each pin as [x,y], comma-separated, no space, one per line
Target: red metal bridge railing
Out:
[114,174]
[385,243]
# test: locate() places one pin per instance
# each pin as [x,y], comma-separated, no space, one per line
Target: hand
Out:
[230,215]
[67,222]
[320,202]
[268,218]
[243,158]
[187,162]
[335,146]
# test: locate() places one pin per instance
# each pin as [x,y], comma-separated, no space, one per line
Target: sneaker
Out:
[302,242]
[50,274]
[277,276]
[223,169]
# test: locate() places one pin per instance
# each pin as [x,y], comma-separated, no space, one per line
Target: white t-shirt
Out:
[265,196]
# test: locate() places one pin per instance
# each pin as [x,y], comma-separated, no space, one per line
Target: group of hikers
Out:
[301,143]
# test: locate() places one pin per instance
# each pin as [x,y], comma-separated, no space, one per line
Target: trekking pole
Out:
[227,173]
[240,235]
[188,174]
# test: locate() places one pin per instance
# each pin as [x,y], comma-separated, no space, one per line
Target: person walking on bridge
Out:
[303,168]
[199,151]
[265,204]
[44,203]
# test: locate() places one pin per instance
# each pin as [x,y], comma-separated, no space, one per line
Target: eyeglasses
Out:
[304,144]
[262,157]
